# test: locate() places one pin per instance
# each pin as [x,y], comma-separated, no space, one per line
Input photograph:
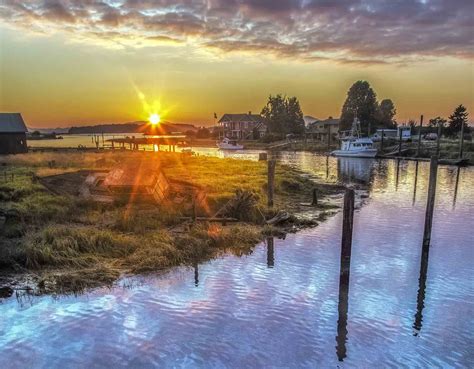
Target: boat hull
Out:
[371,153]
[229,147]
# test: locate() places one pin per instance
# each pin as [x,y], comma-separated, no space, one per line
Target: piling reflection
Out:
[196,274]
[456,185]
[270,252]
[343,307]
[414,186]
[397,175]
[420,300]
[327,167]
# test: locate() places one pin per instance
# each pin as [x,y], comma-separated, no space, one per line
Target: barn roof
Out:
[12,123]
[241,118]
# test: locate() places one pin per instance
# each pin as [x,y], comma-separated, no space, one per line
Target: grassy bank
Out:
[66,244]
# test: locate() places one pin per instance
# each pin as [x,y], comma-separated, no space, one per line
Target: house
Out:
[319,129]
[243,126]
[12,134]
[308,120]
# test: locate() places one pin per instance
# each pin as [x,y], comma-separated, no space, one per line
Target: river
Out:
[280,306]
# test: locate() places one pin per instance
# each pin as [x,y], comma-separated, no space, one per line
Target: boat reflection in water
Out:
[356,170]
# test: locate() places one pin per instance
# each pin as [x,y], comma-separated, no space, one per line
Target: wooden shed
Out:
[12,134]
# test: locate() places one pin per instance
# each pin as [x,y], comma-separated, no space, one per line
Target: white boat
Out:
[229,144]
[352,145]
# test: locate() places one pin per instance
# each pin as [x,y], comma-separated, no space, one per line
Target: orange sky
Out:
[56,76]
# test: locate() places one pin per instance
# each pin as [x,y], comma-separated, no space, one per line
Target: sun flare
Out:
[154,119]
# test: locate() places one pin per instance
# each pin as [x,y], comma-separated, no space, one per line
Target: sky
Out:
[83,62]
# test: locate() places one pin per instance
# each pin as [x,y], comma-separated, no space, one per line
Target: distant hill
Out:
[49,130]
[134,127]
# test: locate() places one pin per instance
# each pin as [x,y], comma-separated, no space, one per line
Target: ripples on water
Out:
[280,306]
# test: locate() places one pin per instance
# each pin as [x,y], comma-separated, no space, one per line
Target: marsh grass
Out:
[72,244]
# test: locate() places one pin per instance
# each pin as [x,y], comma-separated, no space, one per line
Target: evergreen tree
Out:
[386,114]
[435,122]
[361,100]
[283,115]
[457,120]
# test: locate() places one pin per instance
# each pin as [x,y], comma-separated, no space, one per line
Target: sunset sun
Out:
[154,119]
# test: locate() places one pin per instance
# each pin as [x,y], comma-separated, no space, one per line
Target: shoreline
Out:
[61,245]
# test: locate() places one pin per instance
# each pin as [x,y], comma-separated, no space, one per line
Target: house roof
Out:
[12,123]
[241,118]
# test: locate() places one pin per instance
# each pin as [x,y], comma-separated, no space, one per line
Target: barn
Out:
[12,134]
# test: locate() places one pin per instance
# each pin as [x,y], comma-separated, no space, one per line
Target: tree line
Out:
[283,115]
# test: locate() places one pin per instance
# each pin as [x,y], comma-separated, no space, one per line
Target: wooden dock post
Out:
[347,223]
[314,201]
[329,136]
[461,142]
[419,136]
[431,201]
[438,141]
[400,143]
[271,181]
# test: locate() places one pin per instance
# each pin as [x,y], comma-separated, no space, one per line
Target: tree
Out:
[386,114]
[361,100]
[283,115]
[438,121]
[457,120]
[203,133]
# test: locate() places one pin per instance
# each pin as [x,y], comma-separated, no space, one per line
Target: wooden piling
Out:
[400,143]
[314,201]
[344,274]
[419,136]
[271,181]
[461,141]
[438,141]
[329,136]
[431,201]
[347,223]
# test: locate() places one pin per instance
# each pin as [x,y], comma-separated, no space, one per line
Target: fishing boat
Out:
[353,145]
[229,144]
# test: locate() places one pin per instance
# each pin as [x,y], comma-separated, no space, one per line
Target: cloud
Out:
[348,31]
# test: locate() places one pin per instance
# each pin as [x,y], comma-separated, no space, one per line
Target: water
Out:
[280,307]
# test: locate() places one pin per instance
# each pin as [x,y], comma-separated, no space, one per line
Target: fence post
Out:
[271,181]
[419,136]
[431,201]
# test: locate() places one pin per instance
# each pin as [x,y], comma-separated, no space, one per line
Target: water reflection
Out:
[397,175]
[196,274]
[458,170]
[270,252]
[420,300]
[414,186]
[236,312]
[358,170]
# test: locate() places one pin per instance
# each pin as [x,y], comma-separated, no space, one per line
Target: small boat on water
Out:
[353,145]
[229,144]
